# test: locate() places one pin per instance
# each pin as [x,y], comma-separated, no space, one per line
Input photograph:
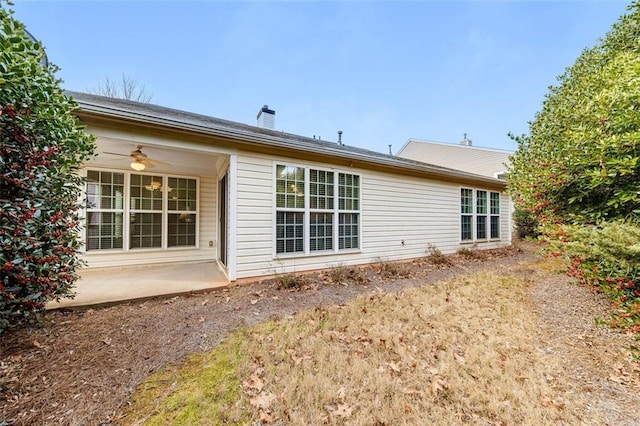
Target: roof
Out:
[473,159]
[90,105]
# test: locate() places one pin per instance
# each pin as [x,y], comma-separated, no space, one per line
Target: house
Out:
[173,189]
[462,156]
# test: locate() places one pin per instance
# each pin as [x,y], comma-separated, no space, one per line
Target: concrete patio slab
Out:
[106,285]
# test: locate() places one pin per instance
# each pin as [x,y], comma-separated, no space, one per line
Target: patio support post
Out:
[233,217]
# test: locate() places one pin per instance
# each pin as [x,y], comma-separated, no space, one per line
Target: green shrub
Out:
[41,149]
[580,161]
[607,259]
[526,224]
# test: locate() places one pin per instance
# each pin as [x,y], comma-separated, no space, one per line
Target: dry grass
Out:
[461,352]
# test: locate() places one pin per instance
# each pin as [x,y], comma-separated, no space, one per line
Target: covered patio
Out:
[108,285]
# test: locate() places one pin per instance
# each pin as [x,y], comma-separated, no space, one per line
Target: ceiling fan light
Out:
[137,166]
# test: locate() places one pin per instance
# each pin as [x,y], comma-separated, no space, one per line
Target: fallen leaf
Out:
[557,402]
[461,359]
[262,400]
[413,392]
[254,382]
[438,385]
[266,417]
[254,301]
[297,359]
[342,392]
[343,410]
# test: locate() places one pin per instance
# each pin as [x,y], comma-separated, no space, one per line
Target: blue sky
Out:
[380,71]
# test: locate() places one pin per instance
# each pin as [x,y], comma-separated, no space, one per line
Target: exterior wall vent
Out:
[266,118]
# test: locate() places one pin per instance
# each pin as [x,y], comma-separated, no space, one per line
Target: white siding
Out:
[395,208]
[254,209]
[208,216]
[470,159]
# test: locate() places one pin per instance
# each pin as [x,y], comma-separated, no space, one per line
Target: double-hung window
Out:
[291,207]
[349,208]
[479,215]
[321,210]
[466,214]
[130,211]
[494,211]
[316,210]
[105,212]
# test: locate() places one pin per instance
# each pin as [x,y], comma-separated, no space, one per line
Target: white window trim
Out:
[307,252]
[474,215]
[127,211]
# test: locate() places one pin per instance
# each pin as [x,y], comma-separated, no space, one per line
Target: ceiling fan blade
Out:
[116,153]
[158,162]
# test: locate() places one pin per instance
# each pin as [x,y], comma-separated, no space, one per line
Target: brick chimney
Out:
[266,118]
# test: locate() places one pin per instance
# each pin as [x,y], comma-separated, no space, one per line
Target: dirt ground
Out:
[81,368]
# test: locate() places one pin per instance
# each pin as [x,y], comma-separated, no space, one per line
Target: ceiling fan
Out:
[140,160]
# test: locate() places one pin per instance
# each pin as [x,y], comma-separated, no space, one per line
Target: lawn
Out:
[467,350]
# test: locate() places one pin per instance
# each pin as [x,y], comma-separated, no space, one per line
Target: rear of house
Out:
[248,201]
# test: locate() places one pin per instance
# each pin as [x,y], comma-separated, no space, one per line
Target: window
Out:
[495,215]
[315,209]
[161,211]
[182,214]
[466,214]
[321,206]
[349,205]
[105,212]
[479,215]
[145,211]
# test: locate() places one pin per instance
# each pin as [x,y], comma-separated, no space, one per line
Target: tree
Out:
[42,147]
[126,88]
[580,163]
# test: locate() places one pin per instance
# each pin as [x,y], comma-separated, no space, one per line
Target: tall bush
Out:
[578,170]
[580,162]
[607,259]
[42,147]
